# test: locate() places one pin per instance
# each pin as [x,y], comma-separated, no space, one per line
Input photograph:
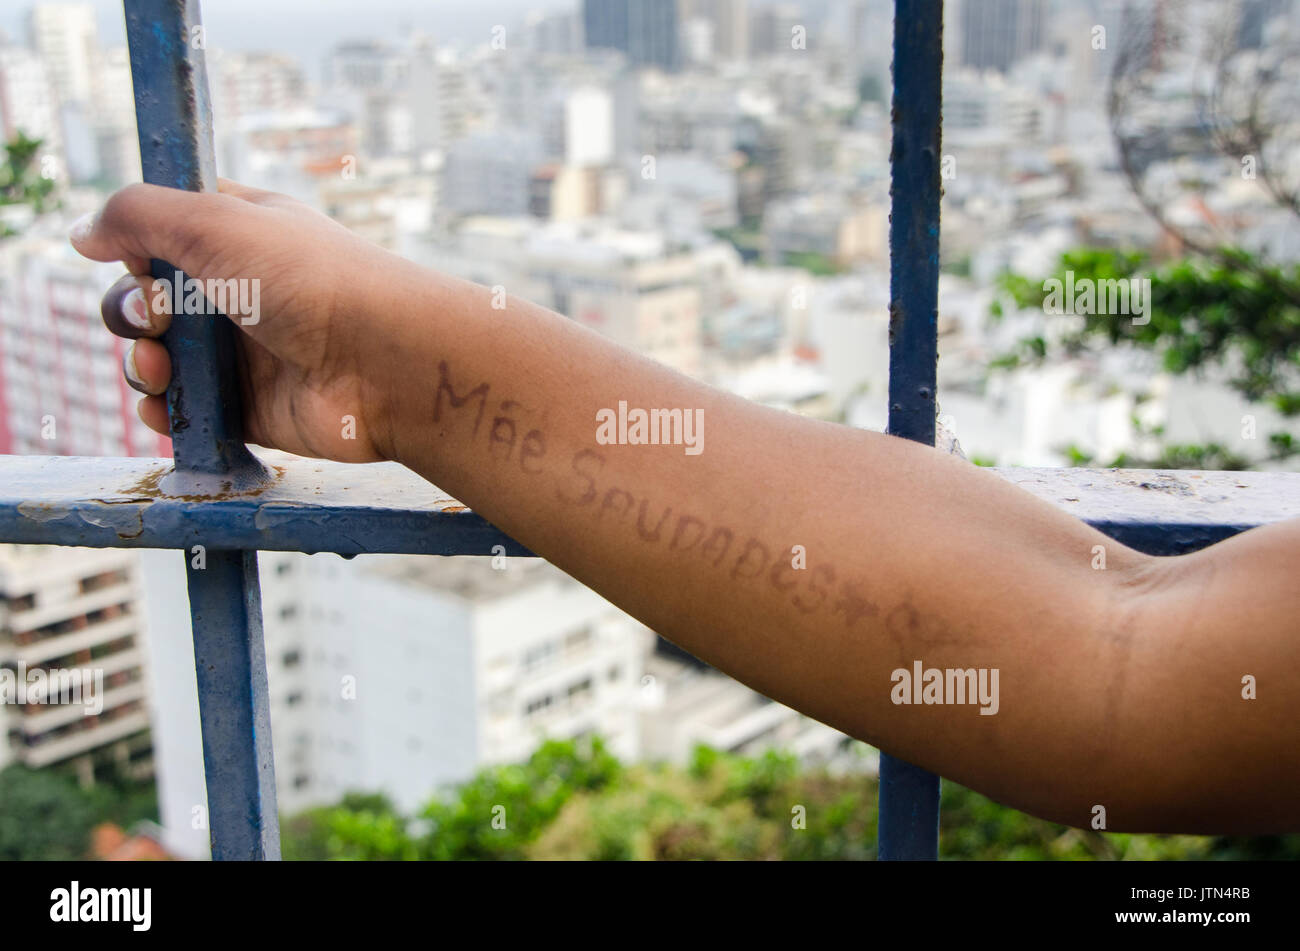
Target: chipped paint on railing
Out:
[318,506]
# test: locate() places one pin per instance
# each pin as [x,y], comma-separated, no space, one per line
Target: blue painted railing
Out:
[909,797]
[174,120]
[217,494]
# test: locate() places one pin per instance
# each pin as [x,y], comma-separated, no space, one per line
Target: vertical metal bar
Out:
[230,661]
[174,122]
[176,150]
[909,797]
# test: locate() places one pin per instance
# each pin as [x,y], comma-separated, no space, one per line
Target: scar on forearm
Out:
[455,402]
[809,590]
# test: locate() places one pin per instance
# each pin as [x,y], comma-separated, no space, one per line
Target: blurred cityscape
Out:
[705,181]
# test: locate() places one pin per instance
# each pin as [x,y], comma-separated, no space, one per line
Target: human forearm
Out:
[815,562]
[908,555]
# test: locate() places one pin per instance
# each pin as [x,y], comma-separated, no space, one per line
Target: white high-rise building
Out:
[491,173]
[70,616]
[436,98]
[116,141]
[588,127]
[61,385]
[632,286]
[401,674]
[252,83]
[555,33]
[28,103]
[730,21]
[67,37]
[366,66]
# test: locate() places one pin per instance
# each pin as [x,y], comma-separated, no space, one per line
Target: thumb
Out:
[185,229]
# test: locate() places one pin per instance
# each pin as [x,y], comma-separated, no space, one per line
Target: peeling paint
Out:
[127,522]
[43,511]
[149,487]
[273,514]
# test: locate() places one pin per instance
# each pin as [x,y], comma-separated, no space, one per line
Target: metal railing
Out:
[217,494]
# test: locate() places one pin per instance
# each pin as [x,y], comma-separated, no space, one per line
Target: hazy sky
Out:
[308,28]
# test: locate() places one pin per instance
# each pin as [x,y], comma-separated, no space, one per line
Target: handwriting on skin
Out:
[744,557]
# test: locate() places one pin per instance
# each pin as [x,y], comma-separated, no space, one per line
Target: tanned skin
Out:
[1119,687]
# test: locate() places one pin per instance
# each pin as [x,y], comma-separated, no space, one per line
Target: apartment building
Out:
[401,674]
[28,103]
[843,229]
[685,704]
[62,393]
[292,151]
[67,37]
[71,615]
[61,385]
[253,83]
[630,286]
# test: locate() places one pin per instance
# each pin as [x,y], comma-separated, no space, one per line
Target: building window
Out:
[539,654]
[537,705]
[292,658]
[578,639]
[103,580]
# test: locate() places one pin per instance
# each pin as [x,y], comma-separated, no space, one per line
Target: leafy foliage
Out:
[20,178]
[575,801]
[45,815]
[530,795]
[1231,313]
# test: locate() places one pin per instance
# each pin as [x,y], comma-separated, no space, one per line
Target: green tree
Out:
[719,807]
[1234,314]
[44,815]
[503,809]
[21,181]
[362,827]
[47,814]
[575,801]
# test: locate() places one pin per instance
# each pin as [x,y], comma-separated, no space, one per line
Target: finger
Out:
[257,196]
[127,309]
[185,229]
[147,367]
[152,410]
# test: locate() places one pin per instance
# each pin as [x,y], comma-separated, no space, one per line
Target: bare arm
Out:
[1118,687]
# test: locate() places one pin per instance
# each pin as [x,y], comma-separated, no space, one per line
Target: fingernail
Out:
[131,372]
[135,310]
[82,227]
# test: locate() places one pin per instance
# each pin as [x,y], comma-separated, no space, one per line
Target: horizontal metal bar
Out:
[309,506]
[315,506]
[1166,512]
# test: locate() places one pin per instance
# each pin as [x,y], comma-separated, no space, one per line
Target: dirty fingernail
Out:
[82,227]
[131,372]
[135,310]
